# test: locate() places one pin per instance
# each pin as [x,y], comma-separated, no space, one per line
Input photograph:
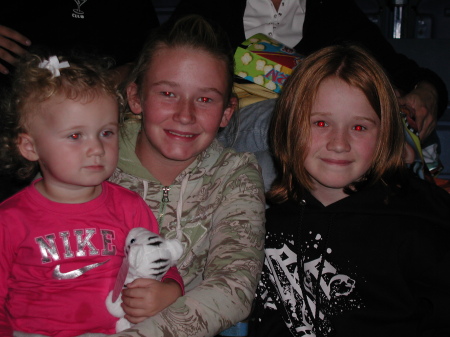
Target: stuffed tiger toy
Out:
[147,255]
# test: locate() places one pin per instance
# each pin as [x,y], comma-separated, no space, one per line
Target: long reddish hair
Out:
[291,131]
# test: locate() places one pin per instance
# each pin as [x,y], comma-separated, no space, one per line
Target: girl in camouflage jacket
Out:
[208,197]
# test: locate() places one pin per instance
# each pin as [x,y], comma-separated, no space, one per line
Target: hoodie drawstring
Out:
[180,207]
[184,182]
[145,189]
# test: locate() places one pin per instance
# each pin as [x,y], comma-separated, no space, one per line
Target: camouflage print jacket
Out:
[216,208]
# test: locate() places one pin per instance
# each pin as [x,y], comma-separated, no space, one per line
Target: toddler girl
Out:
[62,238]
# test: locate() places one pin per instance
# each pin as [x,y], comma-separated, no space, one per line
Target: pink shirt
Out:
[59,261]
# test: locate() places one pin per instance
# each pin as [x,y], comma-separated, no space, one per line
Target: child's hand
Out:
[144,298]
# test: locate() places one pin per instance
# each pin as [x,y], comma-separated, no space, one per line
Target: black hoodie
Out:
[382,260]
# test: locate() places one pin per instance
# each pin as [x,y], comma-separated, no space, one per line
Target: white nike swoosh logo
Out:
[57,274]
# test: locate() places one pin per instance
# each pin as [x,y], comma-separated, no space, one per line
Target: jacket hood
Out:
[128,160]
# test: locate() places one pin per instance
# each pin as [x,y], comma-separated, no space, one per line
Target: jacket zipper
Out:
[165,197]
[164,201]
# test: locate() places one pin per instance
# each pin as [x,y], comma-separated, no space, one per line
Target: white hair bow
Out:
[54,65]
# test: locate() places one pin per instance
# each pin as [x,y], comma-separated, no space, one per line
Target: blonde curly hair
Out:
[86,78]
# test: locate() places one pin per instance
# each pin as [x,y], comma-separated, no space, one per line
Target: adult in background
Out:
[106,27]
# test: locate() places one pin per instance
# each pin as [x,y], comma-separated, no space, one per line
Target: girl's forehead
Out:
[187,65]
[167,54]
[38,104]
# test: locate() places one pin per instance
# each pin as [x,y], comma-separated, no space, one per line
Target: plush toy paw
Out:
[149,255]
[122,324]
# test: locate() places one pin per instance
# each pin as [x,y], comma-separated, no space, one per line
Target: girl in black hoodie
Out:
[355,245]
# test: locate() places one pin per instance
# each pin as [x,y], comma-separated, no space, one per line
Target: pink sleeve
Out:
[5,326]
[174,274]
[147,218]
[5,268]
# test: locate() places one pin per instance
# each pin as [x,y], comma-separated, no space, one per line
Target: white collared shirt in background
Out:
[284,25]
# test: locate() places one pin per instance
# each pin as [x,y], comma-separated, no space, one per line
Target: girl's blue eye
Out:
[359,128]
[167,94]
[107,133]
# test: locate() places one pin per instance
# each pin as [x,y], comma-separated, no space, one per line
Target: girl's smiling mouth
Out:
[184,135]
[339,162]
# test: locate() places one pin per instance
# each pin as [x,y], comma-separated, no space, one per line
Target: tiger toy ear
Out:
[176,250]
